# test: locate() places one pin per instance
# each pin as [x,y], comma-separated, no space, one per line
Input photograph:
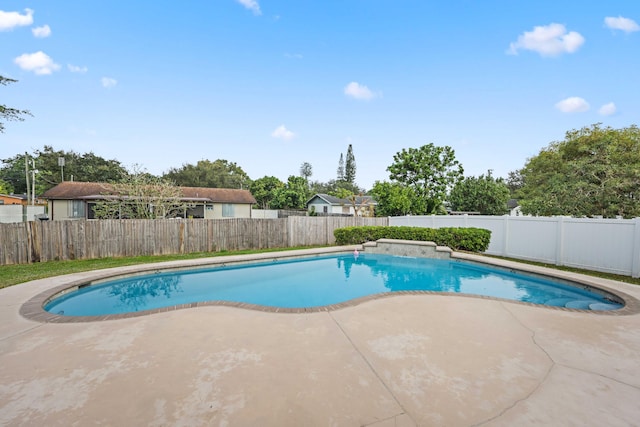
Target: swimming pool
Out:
[321,281]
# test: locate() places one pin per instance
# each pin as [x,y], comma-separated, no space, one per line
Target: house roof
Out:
[73,190]
[336,201]
[15,196]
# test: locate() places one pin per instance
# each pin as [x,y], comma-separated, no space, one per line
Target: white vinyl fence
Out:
[608,245]
[20,213]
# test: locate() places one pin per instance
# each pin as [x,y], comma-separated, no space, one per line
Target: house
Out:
[514,207]
[14,199]
[324,204]
[76,200]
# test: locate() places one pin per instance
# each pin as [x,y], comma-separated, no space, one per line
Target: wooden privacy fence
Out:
[40,241]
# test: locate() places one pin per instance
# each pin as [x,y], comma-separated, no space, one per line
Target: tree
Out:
[350,166]
[335,188]
[594,171]
[85,167]
[394,199]
[483,194]
[306,170]
[217,174]
[340,175]
[5,187]
[265,189]
[8,113]
[292,196]
[514,183]
[430,171]
[140,195]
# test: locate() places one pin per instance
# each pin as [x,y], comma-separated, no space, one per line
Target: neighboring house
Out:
[324,204]
[514,208]
[13,199]
[75,200]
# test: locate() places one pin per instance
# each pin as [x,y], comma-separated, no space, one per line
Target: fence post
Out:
[635,265]
[27,230]
[505,231]
[560,240]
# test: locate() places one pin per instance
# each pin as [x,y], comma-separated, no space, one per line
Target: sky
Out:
[271,84]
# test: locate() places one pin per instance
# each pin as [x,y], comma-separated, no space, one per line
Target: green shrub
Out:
[457,238]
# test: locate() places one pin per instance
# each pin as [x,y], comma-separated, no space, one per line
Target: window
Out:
[76,209]
[228,210]
[325,209]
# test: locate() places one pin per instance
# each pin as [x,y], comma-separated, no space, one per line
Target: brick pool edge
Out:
[33,308]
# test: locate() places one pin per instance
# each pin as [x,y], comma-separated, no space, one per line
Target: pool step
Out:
[604,306]
[581,304]
[558,302]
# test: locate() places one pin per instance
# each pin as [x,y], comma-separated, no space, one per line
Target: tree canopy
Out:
[140,195]
[483,194]
[430,172]
[337,188]
[82,167]
[265,190]
[8,113]
[217,174]
[350,166]
[340,171]
[594,171]
[293,195]
[5,187]
[394,199]
[306,170]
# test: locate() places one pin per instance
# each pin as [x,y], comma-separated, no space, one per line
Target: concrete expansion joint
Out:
[597,374]
[8,337]
[366,361]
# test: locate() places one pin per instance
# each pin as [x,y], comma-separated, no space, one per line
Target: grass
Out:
[14,274]
[610,276]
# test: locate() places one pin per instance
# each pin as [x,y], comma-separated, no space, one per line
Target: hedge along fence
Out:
[40,241]
[466,239]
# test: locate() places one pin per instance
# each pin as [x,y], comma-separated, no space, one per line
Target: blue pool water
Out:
[318,281]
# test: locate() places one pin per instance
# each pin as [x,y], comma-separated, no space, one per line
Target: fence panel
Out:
[533,239]
[22,243]
[606,245]
[608,242]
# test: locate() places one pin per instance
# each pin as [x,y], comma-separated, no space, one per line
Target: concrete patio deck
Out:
[426,360]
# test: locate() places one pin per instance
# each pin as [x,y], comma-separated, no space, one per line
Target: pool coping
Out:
[33,309]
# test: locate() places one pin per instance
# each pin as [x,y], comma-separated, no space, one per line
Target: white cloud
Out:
[41,32]
[77,69]
[358,91]
[550,40]
[608,109]
[281,132]
[39,62]
[623,24]
[108,82]
[252,5]
[293,55]
[10,20]
[574,104]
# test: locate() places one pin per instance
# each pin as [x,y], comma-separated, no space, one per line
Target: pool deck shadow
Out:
[403,360]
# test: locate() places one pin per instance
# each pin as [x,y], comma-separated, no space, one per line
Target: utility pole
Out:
[26,174]
[33,181]
[61,164]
